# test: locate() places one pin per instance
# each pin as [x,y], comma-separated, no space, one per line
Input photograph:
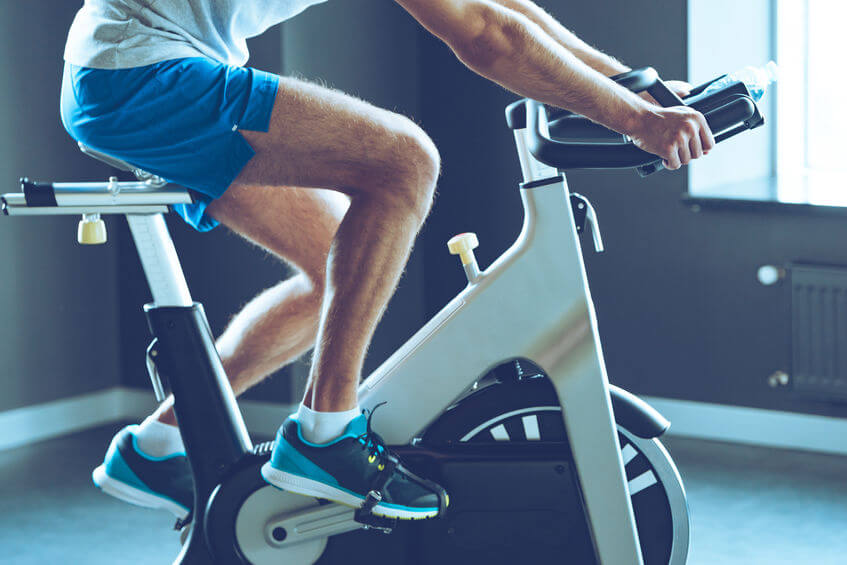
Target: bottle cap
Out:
[772,71]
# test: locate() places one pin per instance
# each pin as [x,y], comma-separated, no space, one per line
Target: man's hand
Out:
[677,135]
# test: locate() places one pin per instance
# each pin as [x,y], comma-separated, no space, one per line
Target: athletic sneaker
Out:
[153,482]
[354,469]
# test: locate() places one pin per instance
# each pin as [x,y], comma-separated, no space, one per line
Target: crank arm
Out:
[316,522]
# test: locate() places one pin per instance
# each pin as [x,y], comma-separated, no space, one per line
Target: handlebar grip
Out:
[637,80]
[664,95]
[740,109]
[581,128]
[646,78]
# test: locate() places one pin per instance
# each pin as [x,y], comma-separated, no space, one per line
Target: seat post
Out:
[159,260]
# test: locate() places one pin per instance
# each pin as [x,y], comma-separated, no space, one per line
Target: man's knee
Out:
[415,165]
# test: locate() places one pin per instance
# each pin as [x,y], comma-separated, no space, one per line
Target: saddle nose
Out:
[108,159]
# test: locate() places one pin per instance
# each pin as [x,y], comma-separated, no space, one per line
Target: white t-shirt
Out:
[119,34]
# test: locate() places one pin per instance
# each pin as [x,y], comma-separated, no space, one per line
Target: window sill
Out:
[767,195]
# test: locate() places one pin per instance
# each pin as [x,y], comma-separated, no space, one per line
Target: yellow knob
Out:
[91,231]
[463,246]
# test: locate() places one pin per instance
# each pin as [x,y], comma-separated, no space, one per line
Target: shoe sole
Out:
[309,487]
[127,493]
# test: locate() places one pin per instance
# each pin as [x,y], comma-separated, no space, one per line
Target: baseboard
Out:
[30,424]
[753,426]
[262,418]
[700,420]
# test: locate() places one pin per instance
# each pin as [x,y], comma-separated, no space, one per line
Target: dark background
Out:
[680,310]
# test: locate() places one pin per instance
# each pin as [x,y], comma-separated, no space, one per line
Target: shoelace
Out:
[371,440]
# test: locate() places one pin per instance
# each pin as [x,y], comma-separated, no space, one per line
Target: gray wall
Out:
[58,301]
[680,311]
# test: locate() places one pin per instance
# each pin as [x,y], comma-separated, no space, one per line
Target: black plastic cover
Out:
[38,194]
[209,420]
[635,415]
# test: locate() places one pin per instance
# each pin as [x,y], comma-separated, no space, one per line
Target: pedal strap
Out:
[364,514]
[432,486]
[378,483]
[393,464]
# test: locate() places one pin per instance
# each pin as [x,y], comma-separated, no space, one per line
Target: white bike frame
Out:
[533,302]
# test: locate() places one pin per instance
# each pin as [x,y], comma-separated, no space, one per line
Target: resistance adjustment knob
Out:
[463,246]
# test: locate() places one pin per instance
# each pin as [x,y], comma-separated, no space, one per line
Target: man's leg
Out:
[388,168]
[274,328]
[281,323]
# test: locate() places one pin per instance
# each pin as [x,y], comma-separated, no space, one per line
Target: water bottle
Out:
[757,79]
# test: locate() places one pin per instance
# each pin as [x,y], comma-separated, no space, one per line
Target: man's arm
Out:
[595,59]
[510,49]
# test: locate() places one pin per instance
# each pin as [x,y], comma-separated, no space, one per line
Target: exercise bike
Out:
[502,397]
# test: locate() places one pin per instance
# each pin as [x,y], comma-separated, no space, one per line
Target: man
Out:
[334,186]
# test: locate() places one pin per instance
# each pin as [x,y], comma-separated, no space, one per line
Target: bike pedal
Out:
[183,522]
[374,522]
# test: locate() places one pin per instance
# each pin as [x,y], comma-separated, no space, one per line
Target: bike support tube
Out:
[211,425]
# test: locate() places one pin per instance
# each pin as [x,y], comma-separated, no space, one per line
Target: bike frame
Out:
[533,302]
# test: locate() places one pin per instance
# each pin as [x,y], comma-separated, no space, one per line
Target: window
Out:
[725,35]
[797,156]
[811,165]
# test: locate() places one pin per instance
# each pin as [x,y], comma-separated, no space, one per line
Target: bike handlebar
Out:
[728,112]
[565,154]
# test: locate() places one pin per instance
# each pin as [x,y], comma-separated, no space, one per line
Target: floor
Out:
[749,506]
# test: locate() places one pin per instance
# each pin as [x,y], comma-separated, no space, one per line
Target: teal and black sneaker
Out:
[152,482]
[355,470]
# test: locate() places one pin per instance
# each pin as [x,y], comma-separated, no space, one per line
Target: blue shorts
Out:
[178,119]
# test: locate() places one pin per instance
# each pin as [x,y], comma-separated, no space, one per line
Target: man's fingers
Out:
[694,147]
[684,153]
[672,162]
[706,138]
[679,87]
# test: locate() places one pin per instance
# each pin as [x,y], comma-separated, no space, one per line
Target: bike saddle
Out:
[118,163]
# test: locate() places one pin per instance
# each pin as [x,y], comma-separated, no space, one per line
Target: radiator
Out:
[819,331]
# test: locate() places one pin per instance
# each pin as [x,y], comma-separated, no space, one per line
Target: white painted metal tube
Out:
[159,260]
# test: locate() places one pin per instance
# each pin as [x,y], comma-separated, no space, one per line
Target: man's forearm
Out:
[595,59]
[517,54]
[512,50]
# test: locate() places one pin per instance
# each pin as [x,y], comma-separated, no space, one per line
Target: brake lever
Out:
[584,213]
[591,218]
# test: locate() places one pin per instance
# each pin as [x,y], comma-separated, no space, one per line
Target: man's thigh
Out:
[296,224]
[319,137]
